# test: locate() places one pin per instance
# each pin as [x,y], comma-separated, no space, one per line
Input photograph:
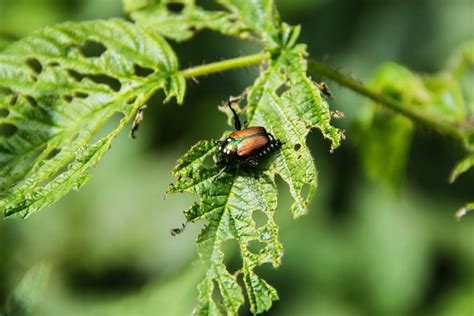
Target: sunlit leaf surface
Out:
[58,88]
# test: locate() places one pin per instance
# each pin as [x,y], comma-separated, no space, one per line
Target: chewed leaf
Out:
[228,198]
[181,19]
[289,116]
[58,87]
[260,16]
[228,201]
[182,25]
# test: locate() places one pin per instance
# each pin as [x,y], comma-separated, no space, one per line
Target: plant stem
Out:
[437,123]
[223,65]
[411,112]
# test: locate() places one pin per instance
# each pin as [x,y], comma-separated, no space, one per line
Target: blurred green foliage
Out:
[360,251]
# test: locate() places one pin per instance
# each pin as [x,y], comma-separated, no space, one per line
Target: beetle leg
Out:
[252,162]
[220,172]
[219,144]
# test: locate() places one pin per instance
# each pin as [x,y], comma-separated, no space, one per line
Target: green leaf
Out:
[227,203]
[384,142]
[385,137]
[287,103]
[28,291]
[58,88]
[252,19]
[260,16]
[181,26]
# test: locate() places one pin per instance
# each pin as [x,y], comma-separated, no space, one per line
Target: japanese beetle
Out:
[246,146]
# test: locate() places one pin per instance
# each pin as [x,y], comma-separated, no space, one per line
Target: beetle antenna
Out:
[237,124]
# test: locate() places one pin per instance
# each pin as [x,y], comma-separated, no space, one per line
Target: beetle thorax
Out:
[230,146]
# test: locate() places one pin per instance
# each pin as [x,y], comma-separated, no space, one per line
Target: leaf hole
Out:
[281,89]
[54,64]
[31,100]
[208,5]
[208,162]
[53,153]
[260,218]
[34,65]
[4,112]
[75,75]
[132,100]
[142,71]
[13,99]
[80,95]
[7,130]
[217,296]
[68,98]
[264,270]
[256,246]
[175,7]
[92,49]
[113,83]
[6,91]
[231,249]
[297,147]
[305,190]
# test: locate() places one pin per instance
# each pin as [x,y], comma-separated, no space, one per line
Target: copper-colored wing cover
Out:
[251,140]
[251,131]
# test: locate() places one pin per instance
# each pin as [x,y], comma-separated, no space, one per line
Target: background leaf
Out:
[28,291]
[385,137]
[58,87]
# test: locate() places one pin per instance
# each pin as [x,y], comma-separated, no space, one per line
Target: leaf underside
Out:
[58,88]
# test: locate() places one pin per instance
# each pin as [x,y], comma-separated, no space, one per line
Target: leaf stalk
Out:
[437,123]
